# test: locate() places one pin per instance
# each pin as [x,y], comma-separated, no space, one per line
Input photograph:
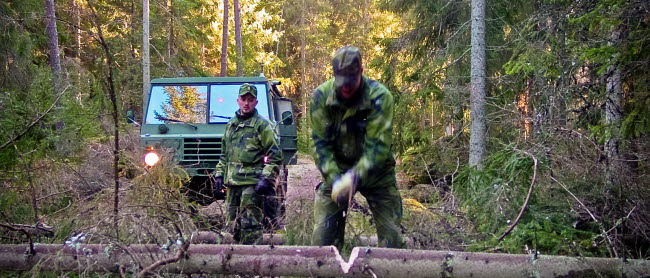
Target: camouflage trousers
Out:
[385,204]
[244,217]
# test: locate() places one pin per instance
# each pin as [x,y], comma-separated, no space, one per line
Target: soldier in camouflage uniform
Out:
[352,119]
[247,167]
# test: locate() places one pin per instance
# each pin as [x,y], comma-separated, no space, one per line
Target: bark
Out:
[170,41]
[523,104]
[303,59]
[311,261]
[76,21]
[272,239]
[613,118]
[224,41]
[53,44]
[146,63]
[238,42]
[478,126]
[132,31]
[216,238]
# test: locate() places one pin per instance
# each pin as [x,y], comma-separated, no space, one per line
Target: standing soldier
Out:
[247,167]
[352,124]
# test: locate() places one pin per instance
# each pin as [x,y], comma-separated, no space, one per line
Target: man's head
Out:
[347,71]
[247,99]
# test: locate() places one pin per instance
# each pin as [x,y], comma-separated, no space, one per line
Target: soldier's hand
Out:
[263,187]
[344,188]
[217,187]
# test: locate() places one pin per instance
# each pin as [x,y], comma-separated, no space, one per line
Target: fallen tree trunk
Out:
[309,261]
[205,237]
[226,238]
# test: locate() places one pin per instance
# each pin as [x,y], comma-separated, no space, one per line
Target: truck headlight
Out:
[151,159]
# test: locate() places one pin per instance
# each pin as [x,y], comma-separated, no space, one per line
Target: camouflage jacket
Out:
[247,140]
[356,135]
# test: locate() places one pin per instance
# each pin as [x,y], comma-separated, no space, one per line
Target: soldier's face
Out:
[348,91]
[246,103]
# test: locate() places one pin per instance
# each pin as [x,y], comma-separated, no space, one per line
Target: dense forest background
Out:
[567,107]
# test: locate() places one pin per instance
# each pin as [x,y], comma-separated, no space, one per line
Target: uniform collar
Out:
[361,101]
[242,117]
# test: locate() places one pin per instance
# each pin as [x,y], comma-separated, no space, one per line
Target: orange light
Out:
[151,159]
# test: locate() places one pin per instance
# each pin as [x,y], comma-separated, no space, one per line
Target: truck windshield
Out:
[223,101]
[183,104]
[179,104]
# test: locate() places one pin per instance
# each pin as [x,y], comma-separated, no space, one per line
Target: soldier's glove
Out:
[344,188]
[264,187]
[218,188]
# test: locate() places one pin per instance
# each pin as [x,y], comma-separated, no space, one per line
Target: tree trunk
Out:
[76,22]
[146,63]
[478,127]
[523,104]
[303,59]
[238,42]
[311,261]
[616,167]
[132,31]
[53,44]
[224,41]
[170,41]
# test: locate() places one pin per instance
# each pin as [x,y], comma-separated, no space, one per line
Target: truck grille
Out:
[201,153]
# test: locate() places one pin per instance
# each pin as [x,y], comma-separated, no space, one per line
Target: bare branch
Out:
[530,192]
[182,251]
[29,230]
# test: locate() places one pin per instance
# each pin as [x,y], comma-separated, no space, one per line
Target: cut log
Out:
[225,238]
[310,261]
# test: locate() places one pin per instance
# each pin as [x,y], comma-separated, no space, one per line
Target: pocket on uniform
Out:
[252,146]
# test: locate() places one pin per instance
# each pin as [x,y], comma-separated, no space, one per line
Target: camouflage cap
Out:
[248,88]
[347,65]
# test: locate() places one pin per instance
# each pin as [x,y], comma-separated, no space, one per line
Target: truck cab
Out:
[186,118]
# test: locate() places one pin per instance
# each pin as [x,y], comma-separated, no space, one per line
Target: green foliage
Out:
[298,230]
[425,162]
[548,235]
[493,195]
[305,144]
[18,207]
[533,61]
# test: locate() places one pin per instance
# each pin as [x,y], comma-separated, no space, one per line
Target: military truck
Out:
[186,119]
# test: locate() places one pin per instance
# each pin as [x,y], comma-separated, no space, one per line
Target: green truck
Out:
[186,118]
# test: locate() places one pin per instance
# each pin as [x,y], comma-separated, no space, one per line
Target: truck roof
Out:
[194,80]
